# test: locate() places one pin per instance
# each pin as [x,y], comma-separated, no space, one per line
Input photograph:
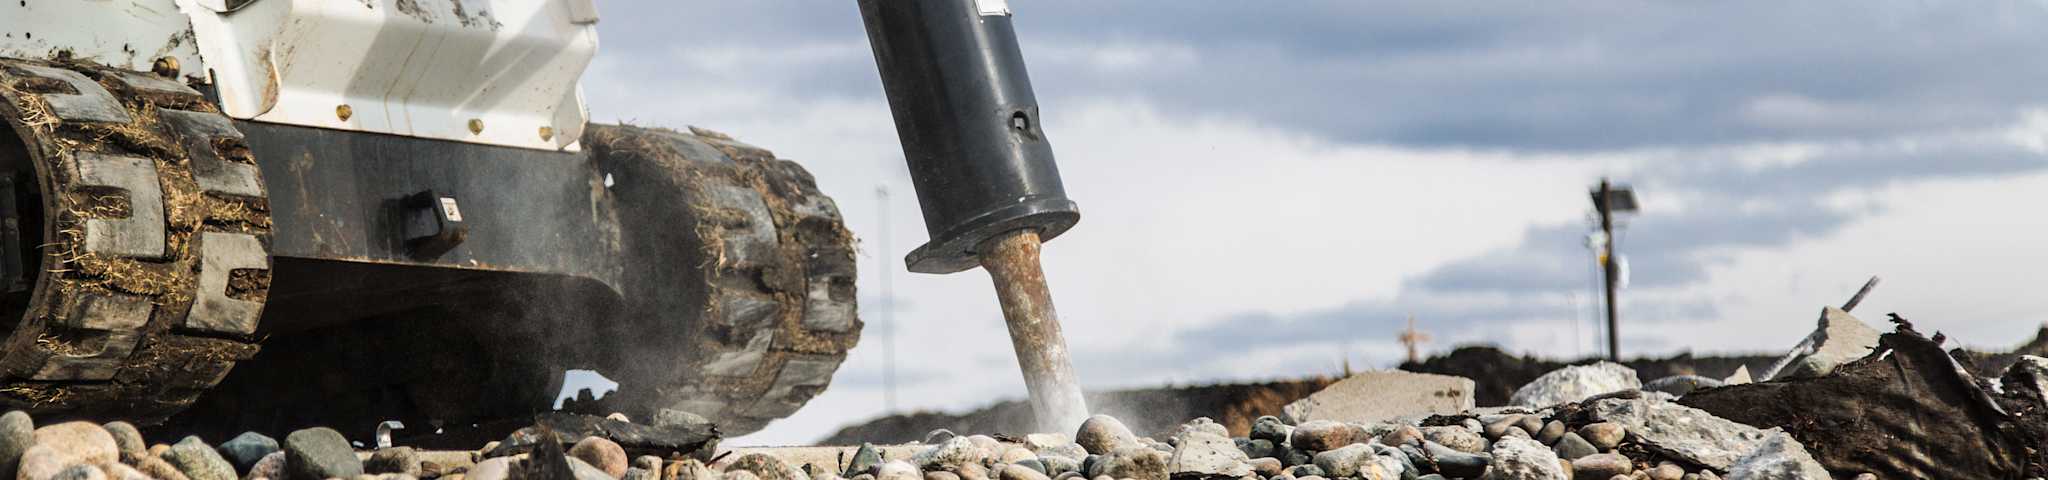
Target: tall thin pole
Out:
[1610,267]
[888,303]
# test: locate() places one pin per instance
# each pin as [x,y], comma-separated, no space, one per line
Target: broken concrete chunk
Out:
[1741,376]
[1681,384]
[1205,454]
[1681,431]
[1572,384]
[1840,339]
[1781,457]
[1373,397]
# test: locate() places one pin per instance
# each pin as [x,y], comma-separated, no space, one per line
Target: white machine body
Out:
[496,72]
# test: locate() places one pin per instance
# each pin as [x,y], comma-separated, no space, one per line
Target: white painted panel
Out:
[129,34]
[424,68]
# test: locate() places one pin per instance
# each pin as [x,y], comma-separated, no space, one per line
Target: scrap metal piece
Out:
[384,432]
[1012,261]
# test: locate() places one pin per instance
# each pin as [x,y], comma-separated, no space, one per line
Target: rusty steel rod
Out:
[1012,261]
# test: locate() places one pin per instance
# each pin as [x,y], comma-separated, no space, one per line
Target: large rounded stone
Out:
[319,453]
[17,432]
[198,461]
[1271,429]
[1572,447]
[950,455]
[608,456]
[1103,434]
[83,442]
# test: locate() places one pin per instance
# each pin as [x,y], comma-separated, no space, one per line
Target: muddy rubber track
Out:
[769,311]
[154,261]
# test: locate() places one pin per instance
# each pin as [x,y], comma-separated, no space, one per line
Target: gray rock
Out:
[1320,435]
[272,467]
[496,469]
[1602,465]
[670,417]
[1518,432]
[1266,466]
[1305,471]
[1603,435]
[1680,431]
[1199,424]
[1780,457]
[1530,424]
[1295,456]
[1271,429]
[941,475]
[128,440]
[1495,429]
[1681,384]
[393,460]
[864,460]
[1457,438]
[948,455]
[1572,384]
[647,462]
[1523,459]
[1456,463]
[246,449]
[1840,338]
[1032,463]
[1139,463]
[1204,453]
[1666,471]
[319,453]
[939,436]
[198,461]
[687,469]
[1373,397]
[1102,434]
[157,468]
[84,442]
[1055,464]
[17,432]
[637,473]
[1571,447]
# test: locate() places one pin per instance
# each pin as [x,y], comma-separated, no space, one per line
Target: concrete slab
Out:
[1379,396]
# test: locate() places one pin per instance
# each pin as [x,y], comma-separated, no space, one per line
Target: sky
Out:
[1270,189]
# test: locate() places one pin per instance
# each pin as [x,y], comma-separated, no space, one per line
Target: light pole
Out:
[1609,199]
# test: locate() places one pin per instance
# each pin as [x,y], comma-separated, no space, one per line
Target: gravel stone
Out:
[1305,471]
[647,462]
[730,475]
[1259,447]
[1572,384]
[1550,432]
[898,470]
[1102,434]
[611,459]
[1680,384]
[1295,456]
[1402,435]
[1571,447]
[1270,428]
[1019,472]
[1344,461]
[687,469]
[763,466]
[393,460]
[127,439]
[952,454]
[1666,472]
[159,469]
[17,432]
[1457,463]
[270,466]
[1602,465]
[80,472]
[494,469]
[939,436]
[319,453]
[81,442]
[1603,435]
[864,460]
[1016,454]
[1138,463]
[246,449]
[121,471]
[1523,459]
[198,461]
[940,475]
[1265,466]
[1205,453]
[1457,438]
[1320,435]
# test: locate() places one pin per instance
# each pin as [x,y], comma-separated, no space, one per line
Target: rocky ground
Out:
[1852,402]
